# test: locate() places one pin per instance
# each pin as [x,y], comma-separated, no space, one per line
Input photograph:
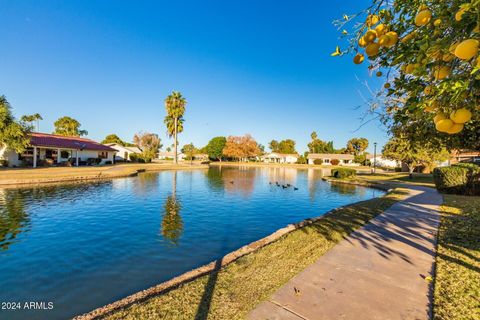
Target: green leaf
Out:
[337,52]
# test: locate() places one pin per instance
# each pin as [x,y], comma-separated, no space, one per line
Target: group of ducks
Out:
[284,186]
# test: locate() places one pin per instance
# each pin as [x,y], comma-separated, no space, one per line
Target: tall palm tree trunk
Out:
[175,142]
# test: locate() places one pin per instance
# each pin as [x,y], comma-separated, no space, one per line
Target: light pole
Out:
[374,157]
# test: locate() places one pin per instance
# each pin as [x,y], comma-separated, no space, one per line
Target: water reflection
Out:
[282,175]
[145,183]
[344,188]
[172,223]
[234,180]
[13,217]
[214,179]
[15,205]
[314,177]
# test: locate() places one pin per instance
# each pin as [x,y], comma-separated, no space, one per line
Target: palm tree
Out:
[31,118]
[175,105]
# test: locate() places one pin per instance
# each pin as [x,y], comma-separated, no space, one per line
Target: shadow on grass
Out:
[206,301]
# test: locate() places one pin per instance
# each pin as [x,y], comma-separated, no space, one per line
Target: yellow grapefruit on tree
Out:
[423,17]
[467,49]
[358,58]
[461,115]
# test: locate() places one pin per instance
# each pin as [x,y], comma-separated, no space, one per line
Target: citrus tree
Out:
[427,54]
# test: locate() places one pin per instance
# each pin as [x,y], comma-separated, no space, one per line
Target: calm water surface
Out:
[81,246]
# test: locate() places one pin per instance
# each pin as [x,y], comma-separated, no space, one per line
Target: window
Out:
[64,154]
[326,160]
[28,153]
[103,155]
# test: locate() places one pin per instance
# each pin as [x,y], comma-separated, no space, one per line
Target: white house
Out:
[123,152]
[327,158]
[276,157]
[51,149]
[168,155]
[383,162]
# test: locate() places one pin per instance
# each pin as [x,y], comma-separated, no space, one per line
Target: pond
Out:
[81,246]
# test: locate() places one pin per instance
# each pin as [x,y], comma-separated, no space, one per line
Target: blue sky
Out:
[258,67]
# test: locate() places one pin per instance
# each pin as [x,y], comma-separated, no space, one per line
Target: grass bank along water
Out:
[231,291]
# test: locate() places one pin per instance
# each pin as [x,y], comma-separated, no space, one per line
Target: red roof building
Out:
[50,149]
[46,140]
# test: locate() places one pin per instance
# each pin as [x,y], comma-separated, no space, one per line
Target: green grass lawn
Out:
[457,280]
[234,290]
[417,178]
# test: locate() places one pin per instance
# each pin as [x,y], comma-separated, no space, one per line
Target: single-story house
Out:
[123,152]
[276,157]
[380,161]
[343,159]
[200,156]
[464,156]
[50,149]
[168,155]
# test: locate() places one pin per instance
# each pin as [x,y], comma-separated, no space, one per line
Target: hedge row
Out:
[462,178]
[342,173]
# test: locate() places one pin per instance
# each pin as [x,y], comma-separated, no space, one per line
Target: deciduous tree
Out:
[287,146]
[113,138]
[13,135]
[241,147]
[356,146]
[412,153]
[67,126]
[320,146]
[149,143]
[273,145]
[215,147]
[189,150]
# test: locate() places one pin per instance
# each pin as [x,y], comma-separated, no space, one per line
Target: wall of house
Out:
[120,155]
[83,155]
[291,159]
[10,156]
[382,162]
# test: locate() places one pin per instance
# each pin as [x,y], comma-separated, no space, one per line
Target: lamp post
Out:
[374,157]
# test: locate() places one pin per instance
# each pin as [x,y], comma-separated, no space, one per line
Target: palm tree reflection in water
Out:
[13,217]
[172,223]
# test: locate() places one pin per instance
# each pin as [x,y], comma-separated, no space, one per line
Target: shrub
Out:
[133,157]
[3,163]
[318,161]
[301,160]
[398,169]
[108,162]
[342,173]
[361,158]
[458,179]
[334,162]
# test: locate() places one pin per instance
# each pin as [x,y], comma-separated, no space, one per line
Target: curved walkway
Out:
[378,272]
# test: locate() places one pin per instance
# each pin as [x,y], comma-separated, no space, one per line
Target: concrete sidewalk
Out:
[378,272]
